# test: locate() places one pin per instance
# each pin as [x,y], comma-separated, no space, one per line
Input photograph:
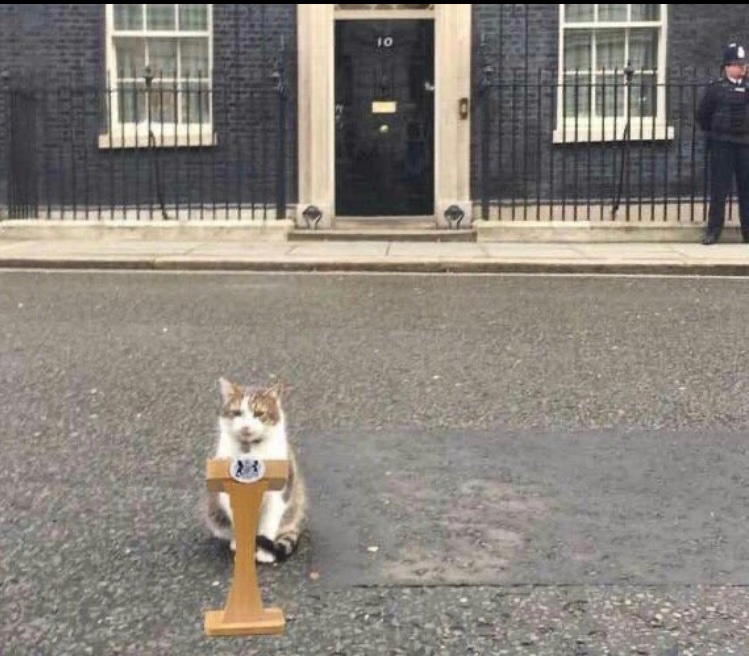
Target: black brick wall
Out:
[696,33]
[59,50]
[7,28]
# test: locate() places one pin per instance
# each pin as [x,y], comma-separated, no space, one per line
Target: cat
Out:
[252,422]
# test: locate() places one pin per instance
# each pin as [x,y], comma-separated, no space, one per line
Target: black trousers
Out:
[728,160]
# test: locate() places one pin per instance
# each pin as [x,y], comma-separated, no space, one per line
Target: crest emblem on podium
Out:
[247,470]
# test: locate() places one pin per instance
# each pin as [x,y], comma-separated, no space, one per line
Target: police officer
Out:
[723,114]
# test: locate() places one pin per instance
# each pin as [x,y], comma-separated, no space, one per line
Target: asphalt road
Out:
[497,465]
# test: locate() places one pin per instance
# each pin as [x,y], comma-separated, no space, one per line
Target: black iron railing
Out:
[208,148]
[614,146]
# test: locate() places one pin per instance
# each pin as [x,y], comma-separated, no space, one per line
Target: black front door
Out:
[384,116]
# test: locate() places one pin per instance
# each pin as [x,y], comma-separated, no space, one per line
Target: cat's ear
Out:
[278,390]
[228,390]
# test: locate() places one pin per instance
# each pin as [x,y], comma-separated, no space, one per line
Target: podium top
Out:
[217,473]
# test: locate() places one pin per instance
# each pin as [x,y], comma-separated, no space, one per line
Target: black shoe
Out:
[709,239]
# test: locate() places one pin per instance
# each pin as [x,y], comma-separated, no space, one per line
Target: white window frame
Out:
[132,135]
[612,129]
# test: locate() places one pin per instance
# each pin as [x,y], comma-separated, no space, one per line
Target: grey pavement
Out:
[497,464]
[263,254]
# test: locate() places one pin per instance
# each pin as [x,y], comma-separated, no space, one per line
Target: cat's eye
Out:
[259,414]
[235,413]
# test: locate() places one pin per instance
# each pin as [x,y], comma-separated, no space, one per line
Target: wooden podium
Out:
[244,613]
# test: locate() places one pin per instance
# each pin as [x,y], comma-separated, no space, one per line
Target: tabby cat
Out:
[252,422]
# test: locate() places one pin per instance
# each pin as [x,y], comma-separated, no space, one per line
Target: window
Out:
[173,42]
[596,43]
[379,7]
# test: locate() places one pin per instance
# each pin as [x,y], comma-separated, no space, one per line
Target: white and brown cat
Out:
[252,422]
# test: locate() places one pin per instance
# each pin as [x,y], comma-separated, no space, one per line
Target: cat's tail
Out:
[284,546]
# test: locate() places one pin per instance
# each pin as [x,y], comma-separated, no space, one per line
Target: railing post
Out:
[148,78]
[282,92]
[5,146]
[628,74]
[484,96]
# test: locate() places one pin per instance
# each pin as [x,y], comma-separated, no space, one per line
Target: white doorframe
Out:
[316,109]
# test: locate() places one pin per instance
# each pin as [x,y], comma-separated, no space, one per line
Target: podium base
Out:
[268,622]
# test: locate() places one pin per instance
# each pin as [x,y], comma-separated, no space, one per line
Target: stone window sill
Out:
[597,133]
[189,138]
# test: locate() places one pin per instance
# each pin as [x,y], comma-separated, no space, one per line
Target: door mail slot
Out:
[384,107]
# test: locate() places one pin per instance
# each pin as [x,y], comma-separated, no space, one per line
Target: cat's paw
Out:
[262,556]
[233,546]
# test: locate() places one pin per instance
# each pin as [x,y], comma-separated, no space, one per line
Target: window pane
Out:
[612,13]
[195,103]
[646,12]
[643,95]
[195,58]
[132,102]
[130,55]
[160,17]
[578,50]
[643,48]
[162,57]
[578,13]
[163,99]
[577,96]
[128,17]
[610,49]
[609,97]
[193,17]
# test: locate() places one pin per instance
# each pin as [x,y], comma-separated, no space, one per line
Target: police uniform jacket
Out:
[723,112]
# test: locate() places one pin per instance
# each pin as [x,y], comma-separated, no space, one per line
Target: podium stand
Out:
[245,480]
